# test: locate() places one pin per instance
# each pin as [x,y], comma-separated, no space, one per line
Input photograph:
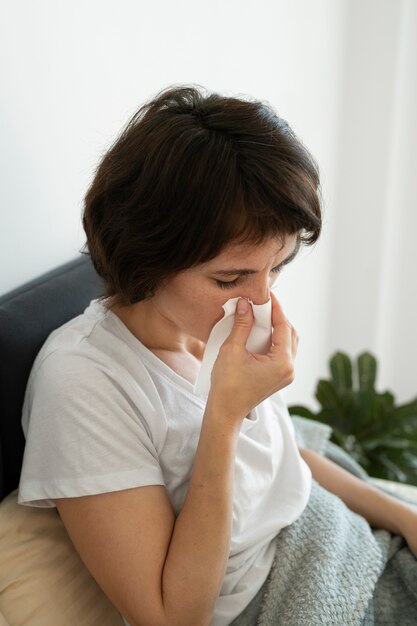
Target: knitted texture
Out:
[331,568]
[326,566]
[394,602]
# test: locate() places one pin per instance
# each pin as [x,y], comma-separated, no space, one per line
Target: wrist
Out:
[401,514]
[229,419]
[405,518]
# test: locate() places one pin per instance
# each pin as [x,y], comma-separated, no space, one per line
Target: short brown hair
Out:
[191,173]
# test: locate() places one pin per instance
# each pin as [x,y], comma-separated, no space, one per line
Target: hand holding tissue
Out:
[259,341]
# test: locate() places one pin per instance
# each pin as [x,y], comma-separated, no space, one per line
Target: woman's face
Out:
[192,301]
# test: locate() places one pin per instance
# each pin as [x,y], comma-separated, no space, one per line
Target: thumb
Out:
[243,322]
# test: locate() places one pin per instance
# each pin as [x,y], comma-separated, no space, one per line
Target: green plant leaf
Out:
[338,437]
[374,414]
[341,370]
[412,459]
[380,436]
[301,411]
[366,371]
[393,464]
[365,411]
[333,411]
[394,470]
[406,413]
[328,397]
[386,442]
[401,420]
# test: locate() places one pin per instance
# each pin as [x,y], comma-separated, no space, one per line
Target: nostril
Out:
[262,298]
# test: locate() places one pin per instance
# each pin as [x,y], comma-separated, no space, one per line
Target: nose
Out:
[259,293]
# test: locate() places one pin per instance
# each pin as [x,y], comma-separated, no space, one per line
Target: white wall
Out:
[373,283]
[73,72]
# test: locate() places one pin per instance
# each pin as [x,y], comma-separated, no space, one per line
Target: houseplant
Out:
[380,435]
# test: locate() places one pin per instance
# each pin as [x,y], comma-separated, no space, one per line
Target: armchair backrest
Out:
[28,315]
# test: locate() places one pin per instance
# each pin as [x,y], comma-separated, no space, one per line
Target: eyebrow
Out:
[245,271]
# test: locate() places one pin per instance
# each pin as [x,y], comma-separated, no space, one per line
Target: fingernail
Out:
[242,306]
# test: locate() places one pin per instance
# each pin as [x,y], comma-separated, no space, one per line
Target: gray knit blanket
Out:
[331,568]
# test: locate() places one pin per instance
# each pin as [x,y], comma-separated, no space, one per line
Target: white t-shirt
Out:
[103,413]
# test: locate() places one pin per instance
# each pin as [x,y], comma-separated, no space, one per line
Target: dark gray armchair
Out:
[28,315]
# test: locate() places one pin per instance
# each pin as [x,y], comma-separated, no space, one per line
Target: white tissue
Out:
[259,341]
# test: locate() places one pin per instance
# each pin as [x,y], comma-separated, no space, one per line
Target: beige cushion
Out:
[43,582]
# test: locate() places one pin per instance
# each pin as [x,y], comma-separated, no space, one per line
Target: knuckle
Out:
[244,322]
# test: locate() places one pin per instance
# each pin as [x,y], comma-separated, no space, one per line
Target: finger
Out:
[242,324]
[282,328]
[278,315]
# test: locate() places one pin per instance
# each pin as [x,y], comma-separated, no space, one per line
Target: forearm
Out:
[199,550]
[380,509]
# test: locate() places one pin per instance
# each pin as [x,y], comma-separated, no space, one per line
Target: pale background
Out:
[343,73]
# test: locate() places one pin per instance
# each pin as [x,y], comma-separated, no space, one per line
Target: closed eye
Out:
[230,284]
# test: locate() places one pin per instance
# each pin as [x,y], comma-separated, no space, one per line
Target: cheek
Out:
[208,310]
[198,304]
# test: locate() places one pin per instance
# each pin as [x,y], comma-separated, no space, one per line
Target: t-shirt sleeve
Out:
[86,432]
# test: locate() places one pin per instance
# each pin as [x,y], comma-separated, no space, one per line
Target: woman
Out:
[173,501]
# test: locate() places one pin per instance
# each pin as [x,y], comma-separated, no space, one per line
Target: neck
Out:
[155,332]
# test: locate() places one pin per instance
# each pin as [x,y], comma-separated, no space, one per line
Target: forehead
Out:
[272,247]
